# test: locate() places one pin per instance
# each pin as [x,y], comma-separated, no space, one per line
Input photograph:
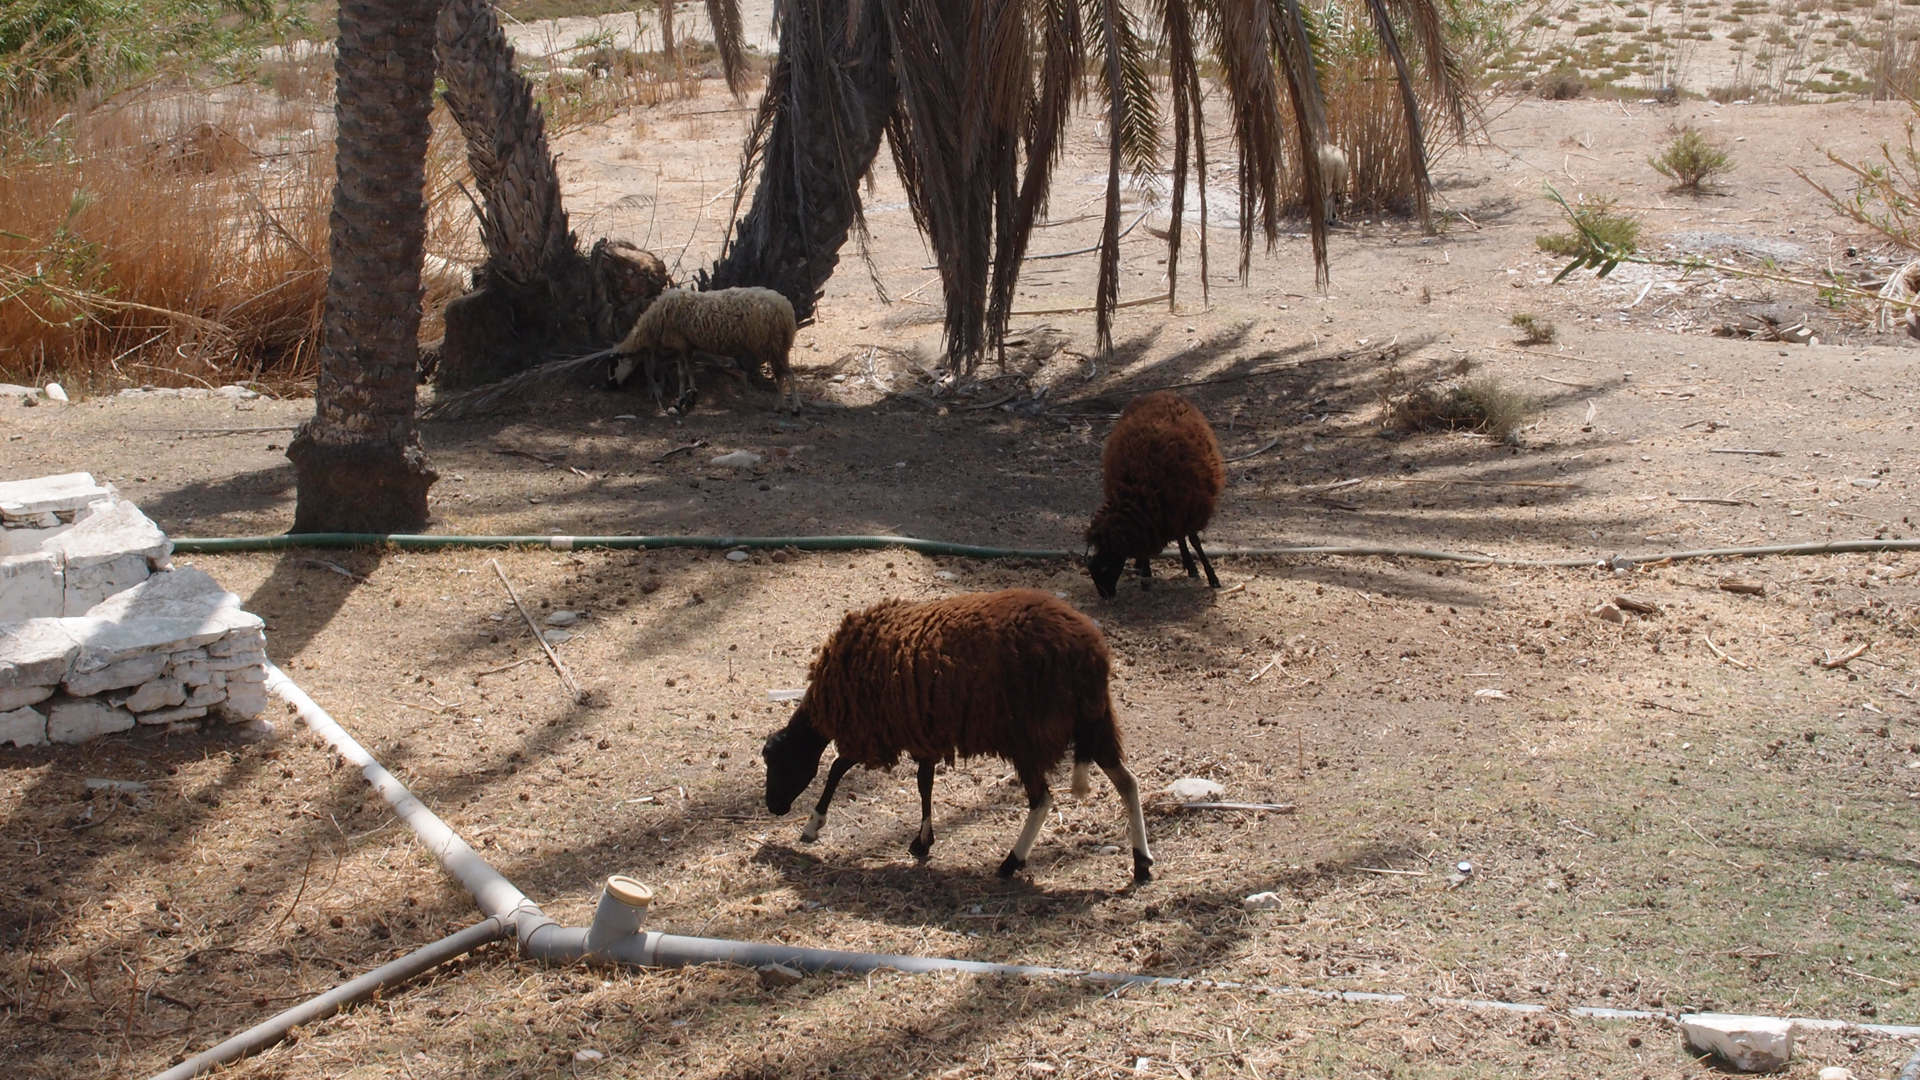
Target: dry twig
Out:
[1831,661]
[565,675]
[1721,653]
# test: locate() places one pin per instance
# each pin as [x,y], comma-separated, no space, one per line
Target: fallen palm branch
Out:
[482,398]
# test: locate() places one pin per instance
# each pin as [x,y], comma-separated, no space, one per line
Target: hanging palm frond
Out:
[981,95]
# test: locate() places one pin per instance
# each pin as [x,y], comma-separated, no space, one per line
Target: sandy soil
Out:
[1653,823]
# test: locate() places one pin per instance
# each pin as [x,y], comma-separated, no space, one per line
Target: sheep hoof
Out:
[1141,873]
[920,848]
[1015,864]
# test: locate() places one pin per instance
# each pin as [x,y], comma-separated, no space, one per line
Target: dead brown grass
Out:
[170,240]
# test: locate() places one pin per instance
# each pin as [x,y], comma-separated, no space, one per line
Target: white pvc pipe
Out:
[542,938]
[496,896]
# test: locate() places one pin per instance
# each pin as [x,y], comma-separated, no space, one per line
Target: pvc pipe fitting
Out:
[623,907]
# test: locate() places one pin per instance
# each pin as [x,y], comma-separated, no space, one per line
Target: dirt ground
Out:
[1682,812]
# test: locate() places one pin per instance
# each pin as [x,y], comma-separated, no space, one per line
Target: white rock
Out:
[1263,901]
[1835,1072]
[205,694]
[87,718]
[563,618]
[737,556]
[1608,612]
[56,392]
[114,549]
[587,1055]
[17,538]
[189,672]
[555,637]
[1491,693]
[129,672]
[32,587]
[1748,1043]
[22,696]
[37,652]
[124,787]
[244,702]
[1195,787]
[66,492]
[240,393]
[739,459]
[946,575]
[23,727]
[785,695]
[173,716]
[159,694]
[1108,849]
[182,594]
[254,730]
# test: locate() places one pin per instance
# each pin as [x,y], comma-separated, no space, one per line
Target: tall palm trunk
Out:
[359,461]
[827,103]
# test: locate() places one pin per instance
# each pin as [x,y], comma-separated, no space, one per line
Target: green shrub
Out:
[1618,231]
[1692,161]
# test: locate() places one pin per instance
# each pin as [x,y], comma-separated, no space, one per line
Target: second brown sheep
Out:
[1162,472]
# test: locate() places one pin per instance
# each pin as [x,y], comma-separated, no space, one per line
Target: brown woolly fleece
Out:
[1016,674]
[1163,472]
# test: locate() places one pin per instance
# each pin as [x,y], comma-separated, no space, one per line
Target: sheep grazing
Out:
[1163,472]
[1335,174]
[754,323]
[1016,674]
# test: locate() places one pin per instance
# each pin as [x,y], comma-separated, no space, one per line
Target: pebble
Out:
[587,1055]
[1748,1043]
[773,976]
[946,575]
[1262,901]
[1195,787]
[1835,1072]
[563,618]
[56,392]
[555,637]
[739,459]
[1608,612]
[1109,849]
[737,556]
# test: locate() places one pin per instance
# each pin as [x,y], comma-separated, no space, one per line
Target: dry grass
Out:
[1534,330]
[166,240]
[1482,405]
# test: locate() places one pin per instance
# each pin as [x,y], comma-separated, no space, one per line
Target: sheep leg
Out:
[812,832]
[1213,582]
[1039,801]
[688,392]
[1146,572]
[1186,559]
[1129,789]
[923,842]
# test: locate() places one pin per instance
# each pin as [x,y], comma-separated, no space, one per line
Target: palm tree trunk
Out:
[359,461]
[826,106]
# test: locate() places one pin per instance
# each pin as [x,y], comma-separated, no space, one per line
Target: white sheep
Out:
[1335,174]
[754,323]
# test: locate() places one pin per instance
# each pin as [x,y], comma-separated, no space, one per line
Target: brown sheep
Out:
[1016,674]
[1163,471]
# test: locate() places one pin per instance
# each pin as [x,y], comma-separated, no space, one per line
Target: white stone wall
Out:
[98,633]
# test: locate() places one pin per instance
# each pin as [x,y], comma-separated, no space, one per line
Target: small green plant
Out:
[1692,160]
[1598,218]
[1533,329]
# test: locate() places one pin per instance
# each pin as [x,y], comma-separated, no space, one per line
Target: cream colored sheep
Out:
[1335,174]
[754,323]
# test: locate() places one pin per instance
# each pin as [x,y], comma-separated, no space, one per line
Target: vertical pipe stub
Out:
[623,906]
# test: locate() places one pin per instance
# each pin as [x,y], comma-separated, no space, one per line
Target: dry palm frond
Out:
[481,398]
[981,97]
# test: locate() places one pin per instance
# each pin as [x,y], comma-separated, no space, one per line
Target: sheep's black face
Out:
[1105,569]
[792,755]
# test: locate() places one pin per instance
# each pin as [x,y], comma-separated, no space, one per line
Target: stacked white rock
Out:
[67,543]
[98,634]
